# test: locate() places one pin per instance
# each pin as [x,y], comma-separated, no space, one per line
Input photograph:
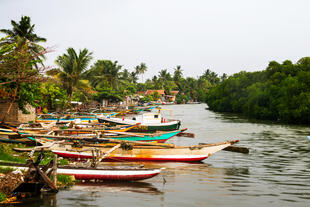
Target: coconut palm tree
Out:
[177,75]
[72,66]
[141,69]
[105,73]
[133,77]
[164,75]
[22,32]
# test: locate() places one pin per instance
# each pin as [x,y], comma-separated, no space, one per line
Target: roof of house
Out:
[140,92]
[160,92]
[174,92]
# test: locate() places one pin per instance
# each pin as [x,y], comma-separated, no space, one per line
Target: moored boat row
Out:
[115,137]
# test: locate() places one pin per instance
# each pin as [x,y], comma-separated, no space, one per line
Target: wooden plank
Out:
[186,134]
[243,150]
[46,179]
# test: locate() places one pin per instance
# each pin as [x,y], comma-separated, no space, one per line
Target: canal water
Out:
[275,173]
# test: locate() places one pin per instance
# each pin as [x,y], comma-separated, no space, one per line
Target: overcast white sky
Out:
[226,36]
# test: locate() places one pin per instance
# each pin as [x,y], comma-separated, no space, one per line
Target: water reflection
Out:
[45,199]
[135,187]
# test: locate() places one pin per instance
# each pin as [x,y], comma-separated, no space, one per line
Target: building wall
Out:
[16,115]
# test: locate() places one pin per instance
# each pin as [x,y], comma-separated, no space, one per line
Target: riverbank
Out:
[12,176]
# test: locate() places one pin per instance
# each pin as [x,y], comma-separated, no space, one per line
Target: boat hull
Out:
[100,174]
[178,154]
[168,126]
[110,175]
[149,138]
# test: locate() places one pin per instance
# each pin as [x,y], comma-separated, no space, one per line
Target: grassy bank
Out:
[7,154]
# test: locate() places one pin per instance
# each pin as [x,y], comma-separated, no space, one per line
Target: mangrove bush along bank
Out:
[281,92]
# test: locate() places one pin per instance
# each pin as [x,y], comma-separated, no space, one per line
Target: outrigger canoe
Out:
[148,153]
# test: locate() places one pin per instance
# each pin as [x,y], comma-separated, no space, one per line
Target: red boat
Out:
[110,174]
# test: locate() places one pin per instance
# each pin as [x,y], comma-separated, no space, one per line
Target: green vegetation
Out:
[279,93]
[73,80]
[72,66]
[7,152]
[20,57]
[2,197]
[65,180]
[6,170]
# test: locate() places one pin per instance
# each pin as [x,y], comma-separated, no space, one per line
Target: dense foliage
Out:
[19,75]
[280,93]
[21,65]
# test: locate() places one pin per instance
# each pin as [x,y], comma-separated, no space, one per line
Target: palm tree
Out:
[105,73]
[22,32]
[224,77]
[72,65]
[125,74]
[178,76]
[211,76]
[133,77]
[164,75]
[141,69]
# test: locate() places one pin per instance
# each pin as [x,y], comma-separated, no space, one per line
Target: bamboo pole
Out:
[55,169]
[109,152]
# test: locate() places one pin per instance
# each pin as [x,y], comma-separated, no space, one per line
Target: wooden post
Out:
[55,170]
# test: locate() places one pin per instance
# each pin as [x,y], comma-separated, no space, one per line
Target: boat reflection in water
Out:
[134,187]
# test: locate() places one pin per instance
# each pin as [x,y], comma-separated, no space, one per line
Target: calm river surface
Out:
[275,173]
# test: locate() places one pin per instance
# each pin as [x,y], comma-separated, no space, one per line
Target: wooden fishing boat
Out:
[147,153]
[110,174]
[16,141]
[41,128]
[159,137]
[104,174]
[48,118]
[5,131]
[149,122]
[86,130]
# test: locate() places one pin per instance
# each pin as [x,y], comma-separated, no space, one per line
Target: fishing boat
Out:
[14,141]
[149,122]
[47,118]
[110,174]
[84,129]
[159,136]
[147,153]
[104,174]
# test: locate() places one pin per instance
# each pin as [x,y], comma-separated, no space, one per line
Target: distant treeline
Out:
[281,92]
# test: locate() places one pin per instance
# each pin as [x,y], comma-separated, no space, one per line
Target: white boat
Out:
[104,174]
[110,174]
[148,122]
